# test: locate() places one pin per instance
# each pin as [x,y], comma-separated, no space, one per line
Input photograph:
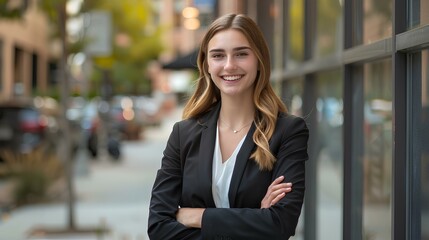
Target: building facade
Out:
[24,53]
[357,71]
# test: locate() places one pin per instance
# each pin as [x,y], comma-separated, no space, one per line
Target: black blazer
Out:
[185,180]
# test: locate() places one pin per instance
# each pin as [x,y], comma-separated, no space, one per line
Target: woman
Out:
[229,166]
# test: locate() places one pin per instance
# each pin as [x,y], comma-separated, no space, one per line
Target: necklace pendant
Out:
[235,131]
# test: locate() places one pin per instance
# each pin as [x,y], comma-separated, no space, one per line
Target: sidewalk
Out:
[114,195]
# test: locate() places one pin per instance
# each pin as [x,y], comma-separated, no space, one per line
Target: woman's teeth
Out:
[231,78]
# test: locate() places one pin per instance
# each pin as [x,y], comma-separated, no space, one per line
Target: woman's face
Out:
[232,64]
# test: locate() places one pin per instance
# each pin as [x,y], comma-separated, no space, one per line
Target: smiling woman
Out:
[234,168]
[232,64]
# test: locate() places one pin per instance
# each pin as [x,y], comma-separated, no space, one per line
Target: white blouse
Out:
[222,173]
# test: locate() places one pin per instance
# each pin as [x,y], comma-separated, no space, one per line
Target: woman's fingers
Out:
[279,194]
[275,192]
[280,186]
[277,198]
[277,180]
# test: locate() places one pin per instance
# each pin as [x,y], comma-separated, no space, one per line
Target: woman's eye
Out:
[217,55]
[242,54]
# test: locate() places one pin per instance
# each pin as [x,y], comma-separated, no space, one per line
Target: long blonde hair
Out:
[267,104]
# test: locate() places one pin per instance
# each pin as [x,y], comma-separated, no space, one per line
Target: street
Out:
[111,194]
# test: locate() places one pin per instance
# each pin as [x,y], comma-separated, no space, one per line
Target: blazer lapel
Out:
[240,164]
[208,138]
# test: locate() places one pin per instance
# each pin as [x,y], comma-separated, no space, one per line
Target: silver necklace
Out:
[235,130]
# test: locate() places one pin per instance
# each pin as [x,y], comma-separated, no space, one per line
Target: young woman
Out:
[234,168]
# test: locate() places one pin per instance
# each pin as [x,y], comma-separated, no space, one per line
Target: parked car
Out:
[22,126]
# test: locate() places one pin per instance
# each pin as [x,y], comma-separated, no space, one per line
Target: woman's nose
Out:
[230,63]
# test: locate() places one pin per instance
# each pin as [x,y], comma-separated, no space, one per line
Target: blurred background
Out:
[89,91]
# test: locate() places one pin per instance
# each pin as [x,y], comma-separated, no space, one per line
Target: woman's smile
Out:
[231,78]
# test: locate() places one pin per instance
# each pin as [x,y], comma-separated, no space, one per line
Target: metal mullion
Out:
[362,53]
[310,209]
[414,104]
[310,204]
[412,39]
[369,52]
[353,152]
[315,65]
[347,125]
[399,147]
[399,141]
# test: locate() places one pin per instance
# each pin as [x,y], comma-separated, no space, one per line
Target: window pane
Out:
[329,28]
[418,14]
[377,20]
[295,42]
[425,147]
[377,153]
[329,155]
[292,95]
[424,14]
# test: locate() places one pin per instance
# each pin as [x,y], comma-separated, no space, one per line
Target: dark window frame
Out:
[398,47]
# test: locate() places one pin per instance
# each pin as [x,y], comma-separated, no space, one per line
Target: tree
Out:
[55,10]
[136,41]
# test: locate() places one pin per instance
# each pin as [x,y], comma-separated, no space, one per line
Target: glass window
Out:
[295,34]
[418,14]
[18,71]
[377,20]
[377,152]
[424,159]
[329,28]
[424,14]
[206,11]
[35,71]
[293,91]
[329,154]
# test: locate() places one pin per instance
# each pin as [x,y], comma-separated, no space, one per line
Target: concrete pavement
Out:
[115,195]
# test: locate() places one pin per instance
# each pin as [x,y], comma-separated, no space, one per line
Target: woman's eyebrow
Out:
[234,49]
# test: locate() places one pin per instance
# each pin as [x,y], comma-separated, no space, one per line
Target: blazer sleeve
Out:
[166,192]
[280,220]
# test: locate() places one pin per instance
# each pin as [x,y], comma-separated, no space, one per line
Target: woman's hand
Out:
[276,191]
[190,217]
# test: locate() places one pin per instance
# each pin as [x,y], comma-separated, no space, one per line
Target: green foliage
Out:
[50,8]
[52,92]
[31,187]
[8,11]
[133,20]
[141,43]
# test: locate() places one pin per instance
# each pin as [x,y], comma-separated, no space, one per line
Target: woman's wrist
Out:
[198,217]
[190,217]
